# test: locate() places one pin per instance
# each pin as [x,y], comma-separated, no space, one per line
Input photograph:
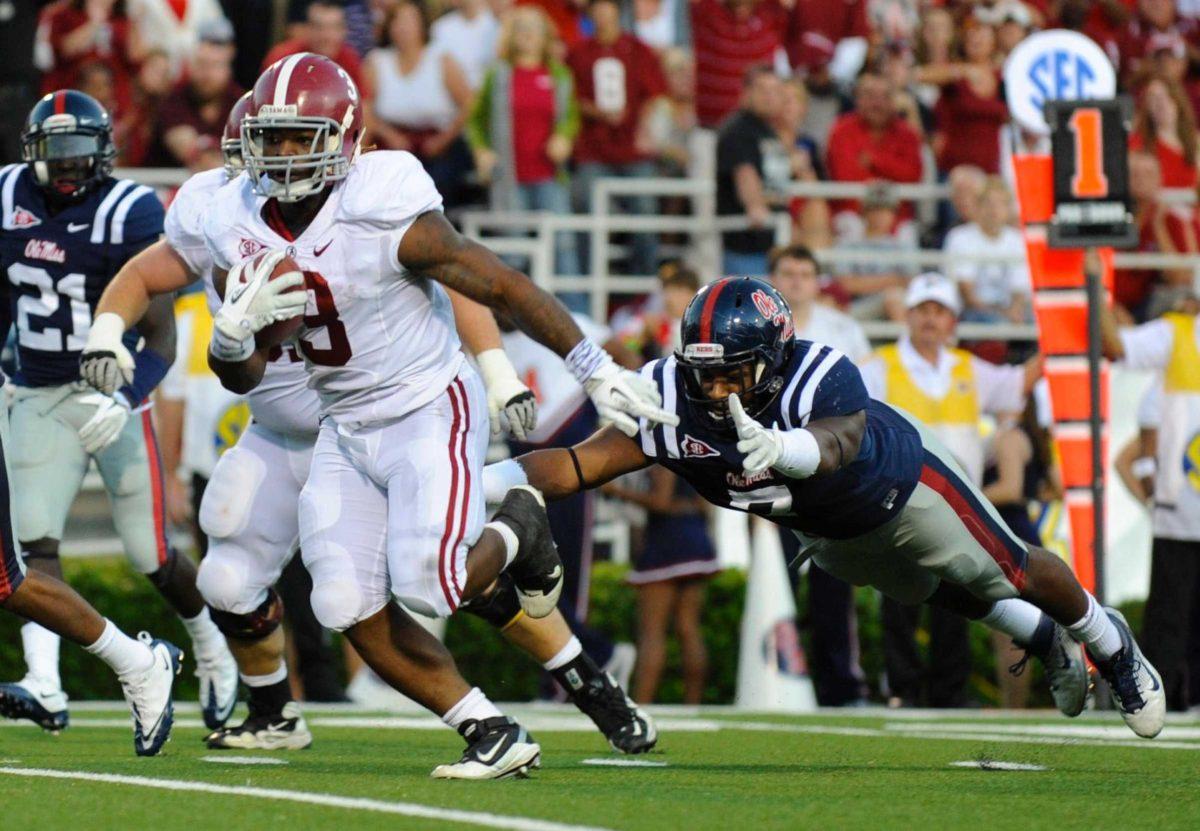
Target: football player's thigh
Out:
[250,514]
[870,560]
[12,570]
[343,536]
[434,467]
[957,535]
[46,461]
[132,474]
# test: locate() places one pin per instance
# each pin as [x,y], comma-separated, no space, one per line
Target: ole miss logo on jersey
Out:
[41,249]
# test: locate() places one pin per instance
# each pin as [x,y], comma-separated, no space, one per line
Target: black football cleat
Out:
[497,748]
[536,571]
[625,725]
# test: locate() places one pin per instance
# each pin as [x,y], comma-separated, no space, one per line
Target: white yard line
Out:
[989,764]
[1080,731]
[623,763]
[408,809]
[243,760]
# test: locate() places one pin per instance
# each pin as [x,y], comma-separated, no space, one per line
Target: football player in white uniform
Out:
[392,505]
[249,510]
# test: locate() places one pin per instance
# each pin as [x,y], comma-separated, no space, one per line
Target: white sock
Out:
[473,705]
[121,652]
[266,680]
[41,654]
[1096,630]
[1016,618]
[565,655]
[206,637]
[510,540]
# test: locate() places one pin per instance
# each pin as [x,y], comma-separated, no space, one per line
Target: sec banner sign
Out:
[1057,65]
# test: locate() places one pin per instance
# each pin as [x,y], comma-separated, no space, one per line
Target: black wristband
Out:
[578,469]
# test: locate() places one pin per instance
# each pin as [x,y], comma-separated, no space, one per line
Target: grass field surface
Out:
[716,769]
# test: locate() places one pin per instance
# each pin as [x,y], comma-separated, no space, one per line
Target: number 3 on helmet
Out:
[303,127]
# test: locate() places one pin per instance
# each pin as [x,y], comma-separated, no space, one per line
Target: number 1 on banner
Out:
[1089,181]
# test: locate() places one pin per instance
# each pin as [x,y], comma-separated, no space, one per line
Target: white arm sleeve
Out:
[1148,346]
[1001,386]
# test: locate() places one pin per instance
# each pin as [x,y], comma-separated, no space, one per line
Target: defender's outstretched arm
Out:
[559,473]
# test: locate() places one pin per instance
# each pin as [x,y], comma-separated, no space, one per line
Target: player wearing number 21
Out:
[392,507]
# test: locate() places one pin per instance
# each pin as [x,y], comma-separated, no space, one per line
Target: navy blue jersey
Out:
[819,382]
[57,266]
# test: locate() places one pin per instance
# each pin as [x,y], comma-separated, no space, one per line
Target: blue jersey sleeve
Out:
[841,392]
[142,225]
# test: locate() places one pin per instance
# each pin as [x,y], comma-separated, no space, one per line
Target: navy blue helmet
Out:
[737,336]
[68,143]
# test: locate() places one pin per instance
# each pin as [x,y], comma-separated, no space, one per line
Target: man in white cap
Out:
[948,389]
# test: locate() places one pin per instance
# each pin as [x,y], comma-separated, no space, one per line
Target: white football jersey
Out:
[282,402]
[377,341]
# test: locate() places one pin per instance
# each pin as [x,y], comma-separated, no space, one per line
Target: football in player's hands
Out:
[276,333]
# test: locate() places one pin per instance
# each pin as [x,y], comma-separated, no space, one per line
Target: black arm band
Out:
[578,469]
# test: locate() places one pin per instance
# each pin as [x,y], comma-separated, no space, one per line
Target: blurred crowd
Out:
[522,104]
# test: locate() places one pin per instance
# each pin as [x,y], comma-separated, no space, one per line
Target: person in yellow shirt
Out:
[1170,346]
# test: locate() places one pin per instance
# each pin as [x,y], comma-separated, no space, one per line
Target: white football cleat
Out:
[148,694]
[218,676]
[1063,660]
[497,747]
[285,730]
[1136,687]
[45,706]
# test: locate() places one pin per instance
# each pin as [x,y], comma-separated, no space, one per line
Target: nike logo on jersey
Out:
[72,227]
[319,251]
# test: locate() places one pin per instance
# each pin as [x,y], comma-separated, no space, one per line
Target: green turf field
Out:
[717,769]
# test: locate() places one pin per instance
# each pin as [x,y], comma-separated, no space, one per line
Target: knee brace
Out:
[43,549]
[164,576]
[253,626]
[501,607]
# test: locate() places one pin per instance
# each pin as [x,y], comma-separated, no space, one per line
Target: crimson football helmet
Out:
[231,138]
[316,99]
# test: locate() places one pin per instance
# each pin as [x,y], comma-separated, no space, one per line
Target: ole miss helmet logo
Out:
[768,308]
[696,449]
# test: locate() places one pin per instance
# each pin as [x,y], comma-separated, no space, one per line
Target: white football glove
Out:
[106,424]
[255,304]
[794,453]
[761,445]
[105,363]
[512,408]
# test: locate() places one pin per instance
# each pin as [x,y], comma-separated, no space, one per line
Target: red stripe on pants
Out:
[456,420]
[156,488]
[466,496]
[976,525]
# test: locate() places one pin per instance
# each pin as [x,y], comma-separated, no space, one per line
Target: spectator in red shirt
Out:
[730,37]
[193,117]
[1154,17]
[971,110]
[1164,126]
[82,32]
[873,142]
[523,125]
[827,36]
[151,87]
[618,79]
[1146,292]
[567,18]
[1167,57]
[325,34]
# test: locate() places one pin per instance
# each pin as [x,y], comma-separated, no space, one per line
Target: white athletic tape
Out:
[408,809]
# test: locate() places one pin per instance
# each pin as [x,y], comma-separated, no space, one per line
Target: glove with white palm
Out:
[794,453]
[512,407]
[621,397]
[105,363]
[106,424]
[254,304]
